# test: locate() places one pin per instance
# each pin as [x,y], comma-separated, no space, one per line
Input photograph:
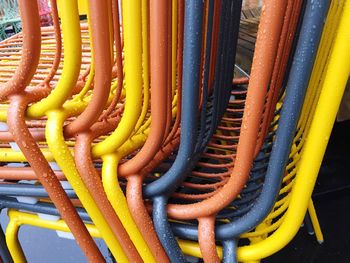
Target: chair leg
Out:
[13,242]
[315,222]
[206,239]
[230,251]
[308,224]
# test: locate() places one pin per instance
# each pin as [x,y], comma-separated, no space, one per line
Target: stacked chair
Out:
[130,125]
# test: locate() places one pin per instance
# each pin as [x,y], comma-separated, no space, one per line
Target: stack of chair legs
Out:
[127,124]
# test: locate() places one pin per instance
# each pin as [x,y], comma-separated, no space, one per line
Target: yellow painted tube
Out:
[12,241]
[145,67]
[8,155]
[62,155]
[118,201]
[72,53]
[132,25]
[315,223]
